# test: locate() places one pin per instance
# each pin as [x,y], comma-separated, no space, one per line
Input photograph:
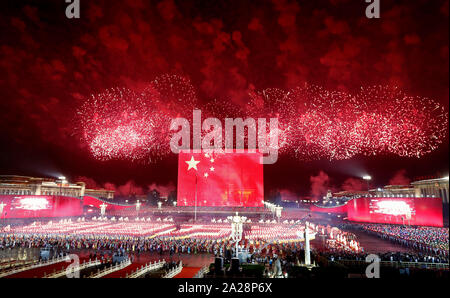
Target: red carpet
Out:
[39,272]
[188,272]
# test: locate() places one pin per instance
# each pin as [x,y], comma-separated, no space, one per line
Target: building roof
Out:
[428,181]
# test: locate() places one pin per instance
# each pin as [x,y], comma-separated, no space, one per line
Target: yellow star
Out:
[192,163]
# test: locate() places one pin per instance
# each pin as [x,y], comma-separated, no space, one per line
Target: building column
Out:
[38,190]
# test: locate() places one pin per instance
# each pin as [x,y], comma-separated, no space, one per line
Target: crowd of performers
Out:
[428,239]
[330,243]
[267,244]
[141,245]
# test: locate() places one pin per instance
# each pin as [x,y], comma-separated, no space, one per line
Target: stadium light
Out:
[367,178]
[138,207]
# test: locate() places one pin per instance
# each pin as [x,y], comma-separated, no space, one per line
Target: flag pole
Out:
[242,190]
[195,206]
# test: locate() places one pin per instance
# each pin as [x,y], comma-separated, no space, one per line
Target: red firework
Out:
[314,123]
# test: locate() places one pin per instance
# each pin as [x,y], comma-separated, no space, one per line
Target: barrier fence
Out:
[174,271]
[64,271]
[111,269]
[33,266]
[13,264]
[394,264]
[201,273]
[147,268]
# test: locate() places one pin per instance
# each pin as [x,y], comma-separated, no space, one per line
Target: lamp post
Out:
[195,206]
[278,210]
[237,228]
[103,209]
[367,178]
[138,207]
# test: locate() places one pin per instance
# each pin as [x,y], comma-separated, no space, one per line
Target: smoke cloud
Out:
[400,178]
[353,184]
[127,189]
[287,195]
[164,190]
[319,184]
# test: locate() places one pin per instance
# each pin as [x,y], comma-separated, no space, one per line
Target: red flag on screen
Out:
[220,179]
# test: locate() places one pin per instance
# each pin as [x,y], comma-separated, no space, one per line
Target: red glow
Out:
[32,203]
[230,179]
[40,206]
[314,122]
[394,207]
[423,211]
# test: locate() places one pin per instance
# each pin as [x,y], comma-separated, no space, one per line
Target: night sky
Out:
[49,64]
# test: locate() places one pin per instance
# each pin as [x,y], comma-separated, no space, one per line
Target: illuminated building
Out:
[432,187]
[394,191]
[349,194]
[437,188]
[22,185]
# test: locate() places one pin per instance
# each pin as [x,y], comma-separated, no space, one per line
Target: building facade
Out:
[23,185]
[432,187]
[437,188]
[394,190]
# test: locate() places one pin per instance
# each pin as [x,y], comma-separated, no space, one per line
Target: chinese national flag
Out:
[220,179]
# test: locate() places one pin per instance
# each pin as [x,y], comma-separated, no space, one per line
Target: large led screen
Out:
[31,206]
[411,211]
[228,179]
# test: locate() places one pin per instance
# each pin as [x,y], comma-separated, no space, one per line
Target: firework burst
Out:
[314,123]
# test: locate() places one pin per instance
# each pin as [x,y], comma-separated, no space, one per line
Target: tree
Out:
[172,197]
[153,197]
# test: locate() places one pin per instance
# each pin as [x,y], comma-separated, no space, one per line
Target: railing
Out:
[33,266]
[13,264]
[148,267]
[394,264]
[7,260]
[84,265]
[174,271]
[111,269]
[202,272]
